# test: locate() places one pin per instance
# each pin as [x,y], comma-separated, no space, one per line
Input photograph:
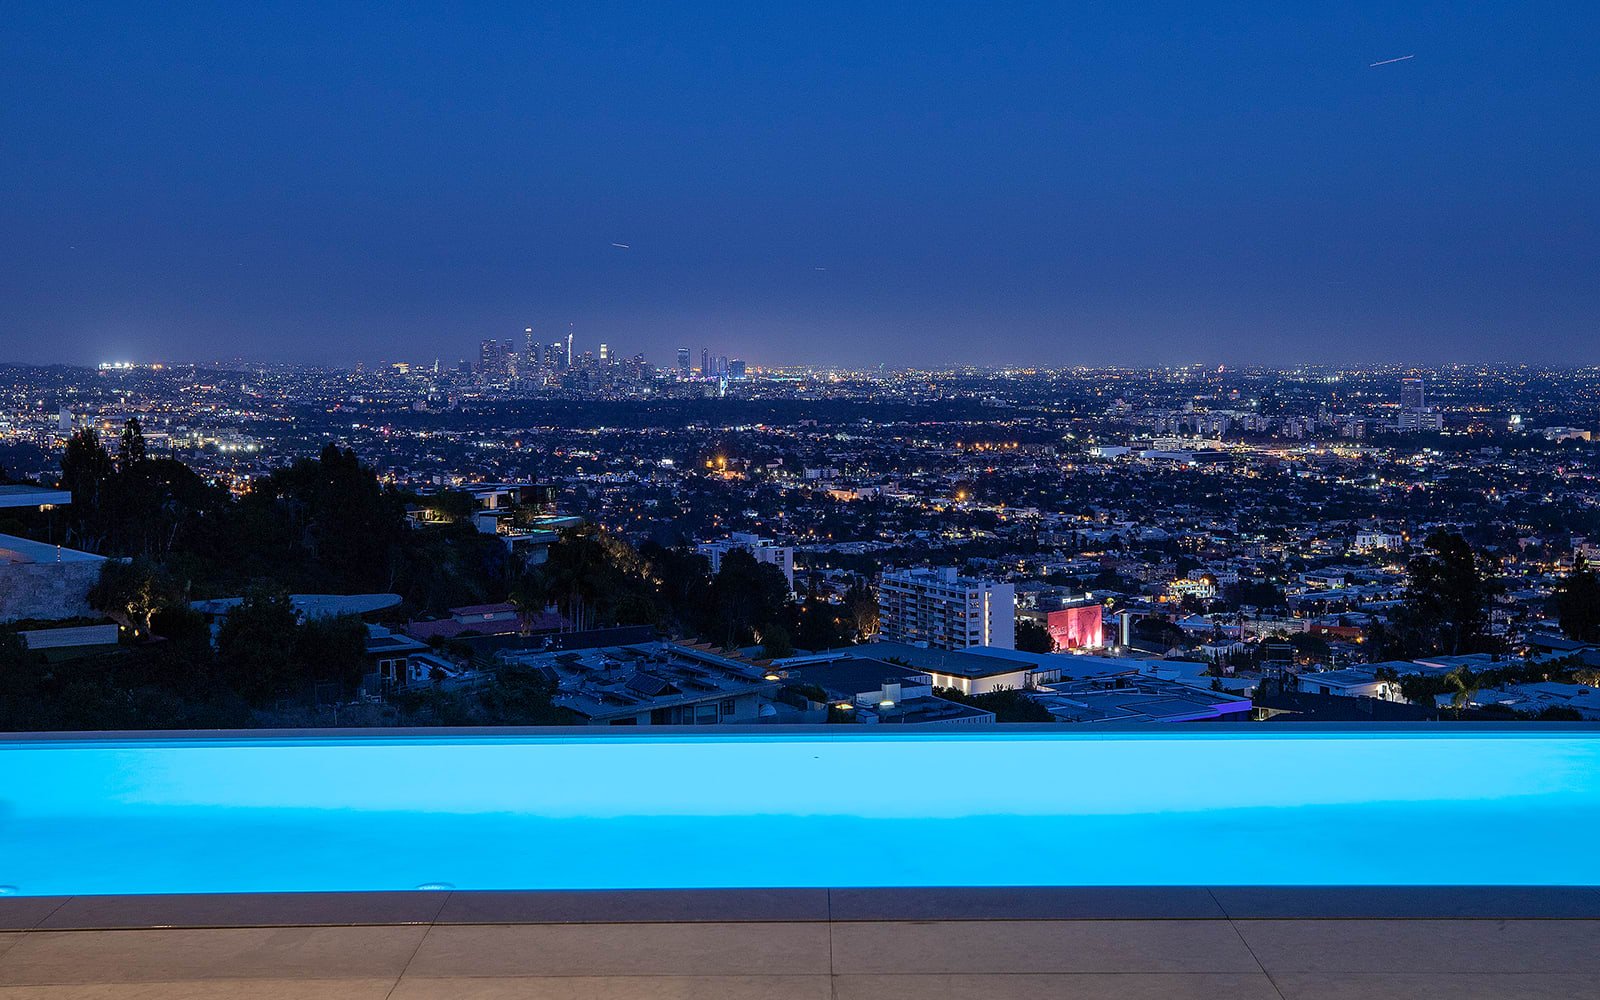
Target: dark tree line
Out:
[1578,604]
[323,525]
[327,525]
[596,577]
[1445,609]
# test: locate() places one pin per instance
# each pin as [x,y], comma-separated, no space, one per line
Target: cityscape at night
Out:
[828,501]
[1249,533]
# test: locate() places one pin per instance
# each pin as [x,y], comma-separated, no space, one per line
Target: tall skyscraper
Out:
[705,362]
[605,353]
[683,361]
[491,359]
[736,368]
[1413,395]
[569,348]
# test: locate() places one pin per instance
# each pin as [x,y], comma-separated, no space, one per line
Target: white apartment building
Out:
[1370,539]
[764,549]
[946,611]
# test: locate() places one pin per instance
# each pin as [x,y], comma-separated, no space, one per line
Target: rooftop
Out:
[852,676]
[1145,700]
[311,605]
[25,550]
[956,663]
[608,681]
[24,495]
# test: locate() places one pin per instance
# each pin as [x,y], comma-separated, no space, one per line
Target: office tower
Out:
[1412,394]
[491,359]
[605,353]
[683,361]
[946,610]
[569,348]
[553,359]
[1422,419]
[722,366]
[705,362]
[736,368]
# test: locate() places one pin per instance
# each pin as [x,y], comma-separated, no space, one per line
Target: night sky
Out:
[811,182]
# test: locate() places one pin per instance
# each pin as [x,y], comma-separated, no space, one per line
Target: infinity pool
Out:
[578,811]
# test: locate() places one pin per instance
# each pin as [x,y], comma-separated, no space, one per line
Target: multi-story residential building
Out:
[943,609]
[1369,539]
[764,549]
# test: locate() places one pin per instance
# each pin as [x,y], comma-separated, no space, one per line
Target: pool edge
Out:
[843,904]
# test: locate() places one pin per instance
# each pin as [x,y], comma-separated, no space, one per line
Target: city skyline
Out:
[848,186]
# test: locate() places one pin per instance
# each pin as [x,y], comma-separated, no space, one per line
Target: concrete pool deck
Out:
[993,944]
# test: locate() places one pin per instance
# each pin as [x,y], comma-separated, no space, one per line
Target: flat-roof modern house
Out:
[1138,700]
[873,692]
[1350,682]
[488,619]
[45,582]
[971,671]
[14,495]
[653,684]
[308,606]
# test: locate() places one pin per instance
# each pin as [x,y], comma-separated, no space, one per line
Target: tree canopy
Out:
[1446,604]
[1578,604]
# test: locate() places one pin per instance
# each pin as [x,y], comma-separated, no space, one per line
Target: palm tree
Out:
[529,598]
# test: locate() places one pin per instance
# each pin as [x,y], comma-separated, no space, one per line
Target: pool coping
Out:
[799,905]
[1255,730]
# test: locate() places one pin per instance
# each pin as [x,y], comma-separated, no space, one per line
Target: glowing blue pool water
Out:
[1186,807]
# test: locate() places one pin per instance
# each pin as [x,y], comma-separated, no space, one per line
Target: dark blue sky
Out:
[911,183]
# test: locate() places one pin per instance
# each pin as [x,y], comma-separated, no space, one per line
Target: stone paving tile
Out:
[213,989]
[618,988]
[622,950]
[300,909]
[1026,903]
[1433,986]
[608,907]
[1424,946]
[1041,946]
[1077,986]
[1408,902]
[67,957]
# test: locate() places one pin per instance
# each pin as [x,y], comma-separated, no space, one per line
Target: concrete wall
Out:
[47,590]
